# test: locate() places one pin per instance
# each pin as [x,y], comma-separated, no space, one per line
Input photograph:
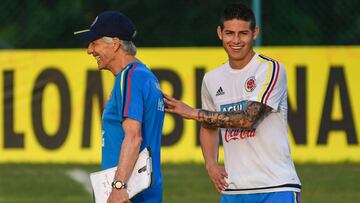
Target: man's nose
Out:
[236,39]
[90,49]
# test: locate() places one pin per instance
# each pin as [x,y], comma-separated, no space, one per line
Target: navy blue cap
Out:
[109,24]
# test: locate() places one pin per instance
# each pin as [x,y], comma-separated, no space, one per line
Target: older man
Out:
[134,114]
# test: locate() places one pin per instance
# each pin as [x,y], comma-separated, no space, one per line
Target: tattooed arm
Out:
[232,119]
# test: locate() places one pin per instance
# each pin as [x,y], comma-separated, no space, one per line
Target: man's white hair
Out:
[127,46]
[107,40]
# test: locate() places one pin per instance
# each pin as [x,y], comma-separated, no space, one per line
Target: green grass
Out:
[40,183]
[338,183]
[29,183]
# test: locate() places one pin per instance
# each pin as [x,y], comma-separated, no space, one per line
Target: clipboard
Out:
[140,179]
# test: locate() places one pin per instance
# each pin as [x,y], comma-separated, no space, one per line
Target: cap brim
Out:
[87,35]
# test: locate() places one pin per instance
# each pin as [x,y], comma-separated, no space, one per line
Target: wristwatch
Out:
[117,184]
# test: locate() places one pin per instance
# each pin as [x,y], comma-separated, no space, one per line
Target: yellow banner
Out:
[52,100]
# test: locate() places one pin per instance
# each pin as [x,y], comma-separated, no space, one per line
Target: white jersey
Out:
[256,160]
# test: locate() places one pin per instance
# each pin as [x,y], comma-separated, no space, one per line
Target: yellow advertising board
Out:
[52,102]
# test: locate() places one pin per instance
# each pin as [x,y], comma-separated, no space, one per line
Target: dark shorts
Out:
[271,197]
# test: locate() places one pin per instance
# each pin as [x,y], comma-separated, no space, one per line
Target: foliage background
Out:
[160,23]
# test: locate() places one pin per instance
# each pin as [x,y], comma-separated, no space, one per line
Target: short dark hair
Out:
[238,11]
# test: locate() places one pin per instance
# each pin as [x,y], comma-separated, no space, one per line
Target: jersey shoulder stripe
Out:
[268,77]
[125,86]
[128,90]
[273,78]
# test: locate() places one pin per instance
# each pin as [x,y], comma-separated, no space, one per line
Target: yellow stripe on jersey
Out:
[122,82]
[122,79]
[268,77]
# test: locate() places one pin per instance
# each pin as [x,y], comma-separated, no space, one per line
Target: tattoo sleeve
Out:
[234,119]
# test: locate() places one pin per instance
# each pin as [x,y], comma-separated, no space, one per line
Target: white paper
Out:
[139,180]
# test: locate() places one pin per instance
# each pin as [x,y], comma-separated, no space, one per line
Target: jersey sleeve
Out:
[207,101]
[132,91]
[271,85]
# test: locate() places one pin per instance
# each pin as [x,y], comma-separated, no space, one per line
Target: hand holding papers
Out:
[139,180]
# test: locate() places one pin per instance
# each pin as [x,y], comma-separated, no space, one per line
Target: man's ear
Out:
[256,32]
[117,43]
[219,32]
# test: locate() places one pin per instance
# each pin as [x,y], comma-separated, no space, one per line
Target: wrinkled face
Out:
[237,39]
[103,53]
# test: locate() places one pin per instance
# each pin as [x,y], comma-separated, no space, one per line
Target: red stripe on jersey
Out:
[277,67]
[127,103]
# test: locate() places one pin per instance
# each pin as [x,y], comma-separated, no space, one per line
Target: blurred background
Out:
[318,41]
[50,24]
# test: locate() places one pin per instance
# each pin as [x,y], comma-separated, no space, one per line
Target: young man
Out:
[133,116]
[247,99]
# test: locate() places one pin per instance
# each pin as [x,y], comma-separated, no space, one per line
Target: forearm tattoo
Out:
[234,119]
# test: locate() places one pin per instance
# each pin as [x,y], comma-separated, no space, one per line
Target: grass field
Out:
[28,183]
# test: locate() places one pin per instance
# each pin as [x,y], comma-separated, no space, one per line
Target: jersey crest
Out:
[250,84]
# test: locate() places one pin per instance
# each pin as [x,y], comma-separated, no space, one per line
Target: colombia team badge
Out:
[250,84]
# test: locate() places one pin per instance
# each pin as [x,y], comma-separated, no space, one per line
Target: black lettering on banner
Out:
[171,77]
[337,79]
[51,75]
[94,88]
[12,139]
[297,118]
